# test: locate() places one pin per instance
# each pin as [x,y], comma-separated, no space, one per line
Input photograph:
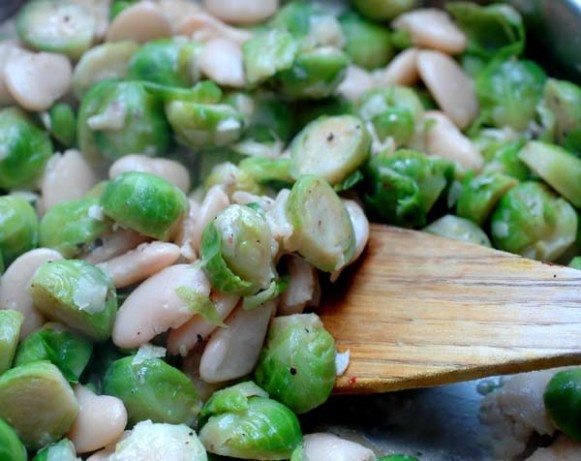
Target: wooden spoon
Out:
[420,310]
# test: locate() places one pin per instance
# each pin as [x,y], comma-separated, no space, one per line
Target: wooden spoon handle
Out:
[421,310]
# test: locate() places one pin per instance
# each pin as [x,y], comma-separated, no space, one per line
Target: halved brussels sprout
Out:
[458,228]
[152,390]
[297,363]
[77,294]
[384,10]
[63,450]
[11,447]
[18,227]
[37,402]
[145,203]
[237,251]
[322,230]
[248,425]
[10,324]
[534,222]
[61,123]
[562,399]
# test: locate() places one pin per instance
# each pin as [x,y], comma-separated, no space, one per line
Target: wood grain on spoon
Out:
[421,310]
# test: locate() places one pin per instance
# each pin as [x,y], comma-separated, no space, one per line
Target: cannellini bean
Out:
[360,226]
[329,447]
[221,61]
[452,89]
[177,11]
[401,70]
[66,177]
[8,48]
[357,81]
[170,170]
[37,80]
[141,22]
[202,26]
[432,28]
[183,339]
[280,226]
[14,293]
[101,420]
[232,352]
[444,139]
[113,244]
[142,262]
[562,449]
[155,306]
[242,11]
[301,289]
[185,231]
[215,201]
[100,10]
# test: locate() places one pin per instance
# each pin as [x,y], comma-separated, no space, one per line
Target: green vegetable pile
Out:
[276,168]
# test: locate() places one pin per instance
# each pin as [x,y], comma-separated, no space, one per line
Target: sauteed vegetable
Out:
[183,180]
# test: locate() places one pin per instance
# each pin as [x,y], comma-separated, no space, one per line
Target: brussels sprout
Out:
[575,263]
[480,195]
[10,324]
[248,425]
[11,448]
[37,402]
[322,230]
[383,10]
[70,352]
[25,149]
[401,188]
[166,61]
[504,158]
[117,6]
[297,364]
[18,227]
[556,166]
[343,142]
[562,398]
[63,450]
[120,118]
[205,92]
[560,112]
[267,170]
[237,251]
[145,203]
[532,221]
[228,175]
[298,16]
[368,44]
[398,458]
[152,389]
[204,125]
[315,74]
[71,227]
[77,294]
[267,53]
[61,123]
[493,31]
[457,228]
[177,442]
[508,92]
[60,26]
[103,62]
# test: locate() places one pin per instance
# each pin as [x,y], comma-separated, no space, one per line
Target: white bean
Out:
[360,226]
[214,202]
[452,89]
[444,139]
[401,70]
[191,367]
[356,82]
[101,420]
[66,177]
[102,62]
[432,28]
[8,48]
[562,449]
[155,306]
[280,226]
[141,22]
[14,293]
[202,26]
[37,80]
[101,10]
[221,61]
[113,244]
[142,262]
[232,352]
[183,339]
[329,447]
[301,288]
[169,170]
[177,11]
[185,231]
[242,11]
